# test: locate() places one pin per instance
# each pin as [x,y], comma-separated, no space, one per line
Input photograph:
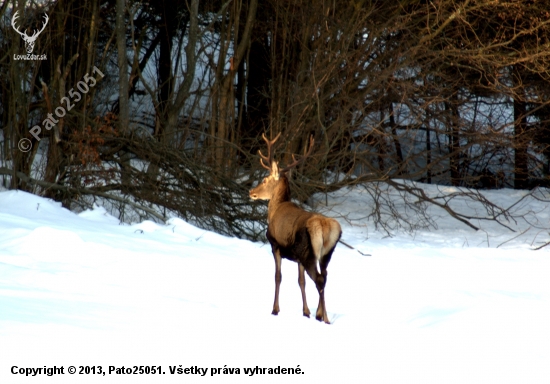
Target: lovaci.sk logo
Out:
[29,40]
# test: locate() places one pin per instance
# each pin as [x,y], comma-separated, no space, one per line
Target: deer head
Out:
[266,189]
[29,40]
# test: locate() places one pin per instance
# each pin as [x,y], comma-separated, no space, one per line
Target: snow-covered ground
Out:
[438,306]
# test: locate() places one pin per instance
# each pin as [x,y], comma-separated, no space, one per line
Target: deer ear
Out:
[275,170]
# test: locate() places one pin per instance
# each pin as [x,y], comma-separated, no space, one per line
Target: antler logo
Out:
[29,40]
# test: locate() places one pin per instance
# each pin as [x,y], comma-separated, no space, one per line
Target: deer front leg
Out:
[278,277]
[302,283]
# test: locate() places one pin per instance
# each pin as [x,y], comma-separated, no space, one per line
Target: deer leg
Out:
[320,281]
[302,283]
[324,264]
[321,308]
[278,277]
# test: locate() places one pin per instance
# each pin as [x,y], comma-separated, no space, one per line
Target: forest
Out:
[155,109]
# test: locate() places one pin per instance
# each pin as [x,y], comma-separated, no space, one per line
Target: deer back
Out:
[285,221]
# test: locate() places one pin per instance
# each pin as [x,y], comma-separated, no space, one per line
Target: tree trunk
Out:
[521,169]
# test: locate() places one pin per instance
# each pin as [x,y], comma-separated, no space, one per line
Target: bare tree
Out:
[443,92]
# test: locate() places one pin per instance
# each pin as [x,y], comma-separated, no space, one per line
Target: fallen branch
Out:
[542,246]
[350,247]
[514,237]
[80,191]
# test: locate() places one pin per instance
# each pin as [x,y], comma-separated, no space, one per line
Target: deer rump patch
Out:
[299,249]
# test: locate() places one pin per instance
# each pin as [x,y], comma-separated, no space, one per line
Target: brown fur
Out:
[304,237]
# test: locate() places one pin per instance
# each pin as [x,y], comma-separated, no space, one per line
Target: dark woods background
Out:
[449,92]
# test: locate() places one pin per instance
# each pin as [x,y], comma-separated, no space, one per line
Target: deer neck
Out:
[281,194]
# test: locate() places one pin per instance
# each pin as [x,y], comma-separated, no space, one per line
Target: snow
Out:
[450,305]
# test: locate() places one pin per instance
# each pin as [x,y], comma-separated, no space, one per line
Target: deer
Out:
[295,234]
[29,40]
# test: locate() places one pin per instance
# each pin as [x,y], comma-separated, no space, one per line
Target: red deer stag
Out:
[294,234]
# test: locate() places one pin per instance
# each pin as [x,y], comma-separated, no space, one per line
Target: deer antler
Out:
[15,16]
[301,159]
[269,157]
[36,33]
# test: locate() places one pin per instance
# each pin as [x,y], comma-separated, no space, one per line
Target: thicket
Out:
[443,91]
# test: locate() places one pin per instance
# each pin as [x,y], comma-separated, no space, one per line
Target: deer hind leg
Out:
[320,279]
[321,308]
[302,283]
[278,278]
[317,268]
